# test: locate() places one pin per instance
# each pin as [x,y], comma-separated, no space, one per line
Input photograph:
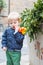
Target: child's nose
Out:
[13,24]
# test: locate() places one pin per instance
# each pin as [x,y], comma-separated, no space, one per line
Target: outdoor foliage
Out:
[2,4]
[33,19]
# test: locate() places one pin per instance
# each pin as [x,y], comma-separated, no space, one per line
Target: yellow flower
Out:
[22,30]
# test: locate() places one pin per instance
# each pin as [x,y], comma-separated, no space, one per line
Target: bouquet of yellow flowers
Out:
[22,30]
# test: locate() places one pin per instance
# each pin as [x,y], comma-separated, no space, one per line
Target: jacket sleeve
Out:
[4,39]
[19,37]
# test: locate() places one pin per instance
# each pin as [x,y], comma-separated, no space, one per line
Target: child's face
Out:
[13,23]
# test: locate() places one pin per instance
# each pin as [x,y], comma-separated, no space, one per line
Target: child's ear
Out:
[19,19]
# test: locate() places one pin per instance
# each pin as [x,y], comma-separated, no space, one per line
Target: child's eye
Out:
[10,23]
[14,22]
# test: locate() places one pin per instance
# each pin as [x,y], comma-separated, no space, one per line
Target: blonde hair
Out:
[14,15]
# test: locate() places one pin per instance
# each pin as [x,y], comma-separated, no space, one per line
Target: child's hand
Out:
[4,48]
[17,28]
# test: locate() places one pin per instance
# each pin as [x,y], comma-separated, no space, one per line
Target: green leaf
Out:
[32,19]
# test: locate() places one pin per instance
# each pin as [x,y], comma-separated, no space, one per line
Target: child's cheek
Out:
[16,24]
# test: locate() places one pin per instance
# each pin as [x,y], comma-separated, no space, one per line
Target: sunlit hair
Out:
[14,15]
